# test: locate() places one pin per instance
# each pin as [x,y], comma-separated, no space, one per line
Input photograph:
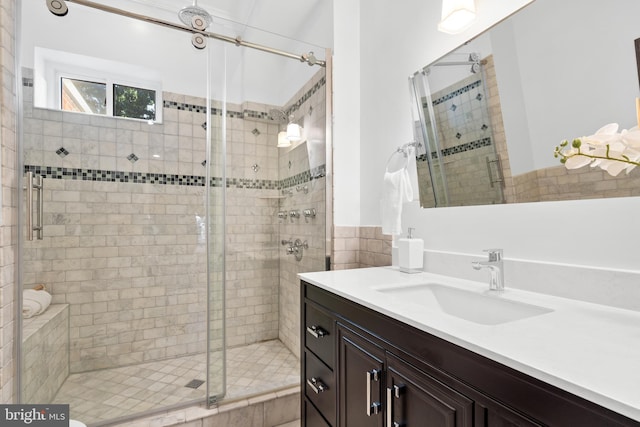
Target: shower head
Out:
[57,7]
[192,16]
[278,115]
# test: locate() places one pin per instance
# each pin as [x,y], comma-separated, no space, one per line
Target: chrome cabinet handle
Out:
[392,392]
[317,331]
[316,385]
[373,408]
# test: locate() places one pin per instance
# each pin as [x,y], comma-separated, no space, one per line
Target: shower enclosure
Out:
[172,227]
[461,165]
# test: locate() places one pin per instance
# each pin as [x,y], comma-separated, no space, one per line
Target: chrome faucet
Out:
[496,269]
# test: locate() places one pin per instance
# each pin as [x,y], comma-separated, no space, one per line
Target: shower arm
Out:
[308,58]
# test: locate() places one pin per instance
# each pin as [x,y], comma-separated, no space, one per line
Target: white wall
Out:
[346,100]
[394,43]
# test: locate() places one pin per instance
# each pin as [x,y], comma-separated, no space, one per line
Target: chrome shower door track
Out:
[308,58]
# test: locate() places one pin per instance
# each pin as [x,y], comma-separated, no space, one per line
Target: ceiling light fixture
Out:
[457,15]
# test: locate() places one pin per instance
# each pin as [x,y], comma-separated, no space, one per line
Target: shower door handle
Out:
[34,183]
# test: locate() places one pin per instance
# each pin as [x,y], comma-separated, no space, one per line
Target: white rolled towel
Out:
[34,302]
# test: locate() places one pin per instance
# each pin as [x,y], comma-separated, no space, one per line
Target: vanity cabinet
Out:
[379,372]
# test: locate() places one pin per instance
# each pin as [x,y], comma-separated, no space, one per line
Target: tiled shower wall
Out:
[8,232]
[304,186]
[124,242]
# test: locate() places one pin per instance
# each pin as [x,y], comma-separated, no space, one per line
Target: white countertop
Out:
[590,350]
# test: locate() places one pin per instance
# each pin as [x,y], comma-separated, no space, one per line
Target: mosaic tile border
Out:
[484,142]
[316,87]
[457,92]
[246,114]
[98,175]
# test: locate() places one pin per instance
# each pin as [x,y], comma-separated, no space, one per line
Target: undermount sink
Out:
[482,308]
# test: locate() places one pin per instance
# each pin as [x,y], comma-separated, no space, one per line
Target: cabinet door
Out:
[360,381]
[414,398]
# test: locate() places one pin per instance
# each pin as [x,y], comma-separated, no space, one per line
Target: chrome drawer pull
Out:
[316,385]
[391,393]
[372,408]
[317,331]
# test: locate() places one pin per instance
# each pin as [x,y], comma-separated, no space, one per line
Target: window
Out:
[134,102]
[84,97]
[91,97]
[89,85]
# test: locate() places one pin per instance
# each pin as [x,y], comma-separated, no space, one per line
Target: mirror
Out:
[491,112]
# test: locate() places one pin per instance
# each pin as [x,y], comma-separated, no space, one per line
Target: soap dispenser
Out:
[410,253]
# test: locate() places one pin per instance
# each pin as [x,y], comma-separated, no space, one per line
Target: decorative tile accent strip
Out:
[303,177]
[132,158]
[455,93]
[169,179]
[484,142]
[258,115]
[316,87]
[114,176]
[258,184]
[189,107]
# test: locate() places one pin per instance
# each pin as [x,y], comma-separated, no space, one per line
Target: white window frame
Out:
[50,66]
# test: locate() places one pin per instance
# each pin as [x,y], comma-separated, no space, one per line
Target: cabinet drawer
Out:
[312,417]
[320,386]
[319,334]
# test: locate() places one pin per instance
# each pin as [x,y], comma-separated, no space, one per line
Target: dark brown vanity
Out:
[363,368]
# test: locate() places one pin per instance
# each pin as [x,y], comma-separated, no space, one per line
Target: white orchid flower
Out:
[631,137]
[613,167]
[607,134]
[607,149]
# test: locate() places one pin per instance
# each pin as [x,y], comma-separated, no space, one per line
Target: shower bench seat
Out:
[45,353]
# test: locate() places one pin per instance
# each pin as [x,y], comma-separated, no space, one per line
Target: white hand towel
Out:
[34,302]
[396,190]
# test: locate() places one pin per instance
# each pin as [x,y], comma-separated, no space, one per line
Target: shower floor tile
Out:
[98,396]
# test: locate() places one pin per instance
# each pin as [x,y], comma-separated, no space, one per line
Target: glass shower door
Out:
[114,118]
